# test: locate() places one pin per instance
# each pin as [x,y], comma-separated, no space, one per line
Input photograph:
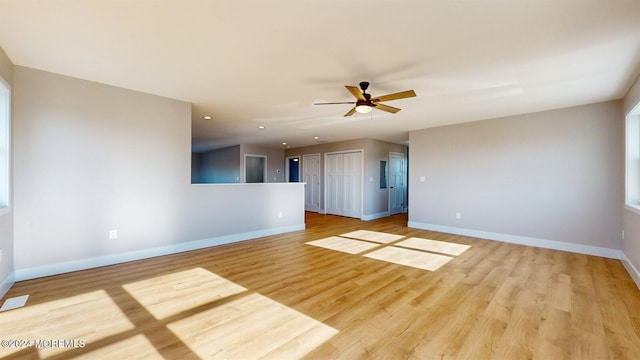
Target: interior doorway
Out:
[293,169]
[255,168]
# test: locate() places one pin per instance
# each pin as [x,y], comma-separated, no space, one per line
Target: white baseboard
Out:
[97,261]
[374,216]
[523,240]
[632,270]
[6,284]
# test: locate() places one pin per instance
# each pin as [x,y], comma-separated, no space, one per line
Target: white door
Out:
[311,176]
[344,184]
[396,183]
[334,184]
[352,184]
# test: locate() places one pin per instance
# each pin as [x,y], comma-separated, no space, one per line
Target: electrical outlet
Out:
[458,216]
[113,234]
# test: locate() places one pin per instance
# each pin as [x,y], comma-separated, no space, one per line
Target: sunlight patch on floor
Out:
[199,311]
[63,319]
[171,294]
[374,236]
[341,244]
[413,258]
[251,327]
[416,252]
[442,247]
[14,303]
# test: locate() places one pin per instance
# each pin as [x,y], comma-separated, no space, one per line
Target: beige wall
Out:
[275,161]
[218,166]
[375,151]
[6,220]
[90,158]
[226,165]
[554,175]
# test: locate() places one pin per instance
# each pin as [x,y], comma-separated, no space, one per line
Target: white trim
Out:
[265,177]
[6,284]
[404,180]
[104,260]
[305,158]
[523,240]
[632,270]
[288,171]
[375,216]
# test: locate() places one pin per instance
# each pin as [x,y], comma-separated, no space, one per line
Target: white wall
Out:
[631,241]
[551,179]
[90,158]
[6,219]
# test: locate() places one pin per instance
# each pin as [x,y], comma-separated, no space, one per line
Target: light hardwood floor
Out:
[278,297]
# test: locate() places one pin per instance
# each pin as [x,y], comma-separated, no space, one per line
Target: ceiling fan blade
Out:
[355,92]
[351,112]
[333,103]
[395,96]
[387,108]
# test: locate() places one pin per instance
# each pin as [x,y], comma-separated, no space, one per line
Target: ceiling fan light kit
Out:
[364,103]
[363,107]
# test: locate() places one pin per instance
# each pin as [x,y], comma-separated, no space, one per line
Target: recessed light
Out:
[207,117]
[284,143]
[260,127]
[316,137]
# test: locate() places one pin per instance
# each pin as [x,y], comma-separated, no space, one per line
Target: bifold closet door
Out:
[344,184]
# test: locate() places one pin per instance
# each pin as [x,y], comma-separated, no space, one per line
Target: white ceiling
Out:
[248,63]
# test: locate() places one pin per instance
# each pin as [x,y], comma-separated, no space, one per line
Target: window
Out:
[5,132]
[632,193]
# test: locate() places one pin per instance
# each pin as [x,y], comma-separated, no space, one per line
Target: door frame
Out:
[319,188]
[265,179]
[287,170]
[403,176]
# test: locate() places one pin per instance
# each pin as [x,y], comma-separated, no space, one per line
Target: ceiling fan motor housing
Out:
[365,103]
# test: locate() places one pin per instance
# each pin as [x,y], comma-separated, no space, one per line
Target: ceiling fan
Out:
[365,103]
